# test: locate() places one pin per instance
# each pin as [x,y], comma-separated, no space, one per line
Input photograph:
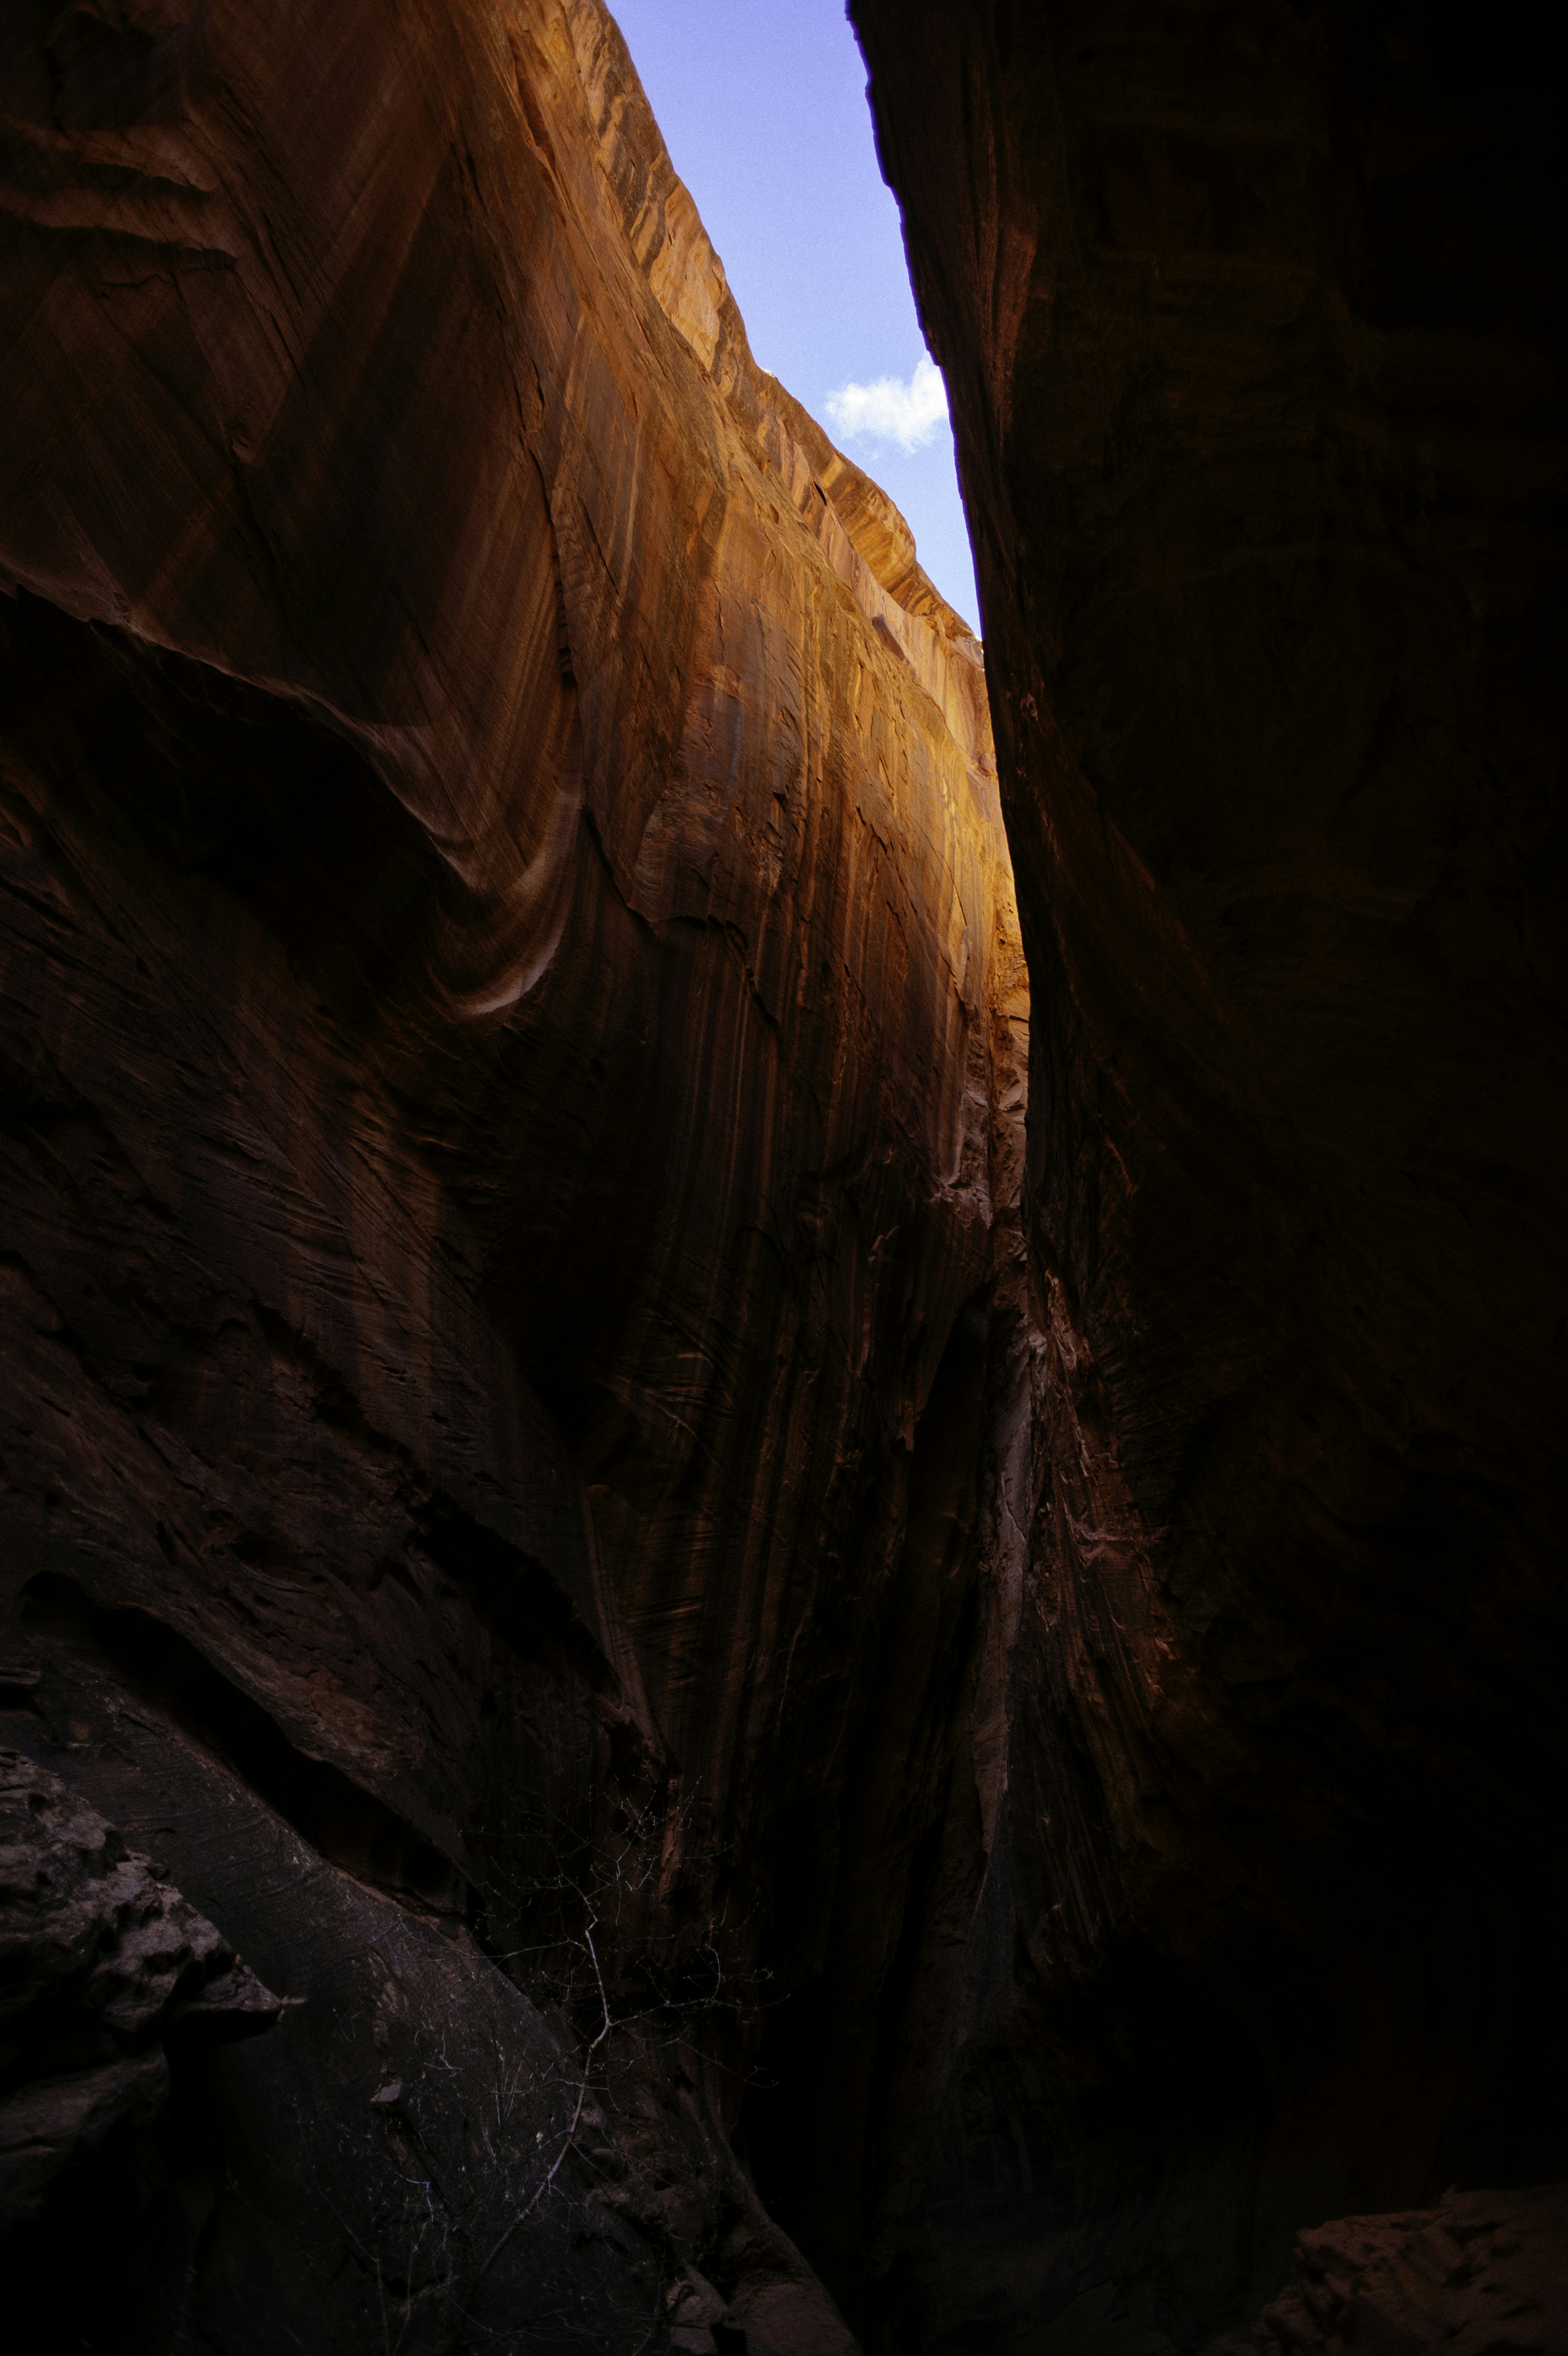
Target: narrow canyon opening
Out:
[782,1400]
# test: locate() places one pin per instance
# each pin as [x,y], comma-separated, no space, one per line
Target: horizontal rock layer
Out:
[1253,328]
[512,1033]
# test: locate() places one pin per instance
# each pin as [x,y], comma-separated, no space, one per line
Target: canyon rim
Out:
[731,1623]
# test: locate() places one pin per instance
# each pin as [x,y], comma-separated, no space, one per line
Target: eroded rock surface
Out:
[512,1023]
[1485,2272]
[100,1966]
[1252,322]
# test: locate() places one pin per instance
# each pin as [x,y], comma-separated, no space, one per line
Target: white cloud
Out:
[891,411]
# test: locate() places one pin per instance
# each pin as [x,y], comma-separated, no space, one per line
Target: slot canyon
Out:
[782,1401]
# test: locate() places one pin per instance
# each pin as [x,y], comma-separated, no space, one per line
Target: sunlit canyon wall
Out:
[516,1359]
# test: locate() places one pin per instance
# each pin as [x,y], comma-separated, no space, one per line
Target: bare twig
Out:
[605,2025]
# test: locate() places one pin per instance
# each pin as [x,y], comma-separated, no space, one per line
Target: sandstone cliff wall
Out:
[517,1349]
[1252,322]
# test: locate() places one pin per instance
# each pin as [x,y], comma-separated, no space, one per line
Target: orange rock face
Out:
[514,1032]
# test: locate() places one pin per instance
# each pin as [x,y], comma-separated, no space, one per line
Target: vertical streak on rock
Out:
[514,1026]
[1252,330]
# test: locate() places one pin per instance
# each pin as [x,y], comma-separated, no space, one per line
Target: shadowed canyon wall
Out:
[1252,320]
[516,1363]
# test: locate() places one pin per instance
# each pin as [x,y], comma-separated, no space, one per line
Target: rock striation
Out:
[512,1032]
[1252,322]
